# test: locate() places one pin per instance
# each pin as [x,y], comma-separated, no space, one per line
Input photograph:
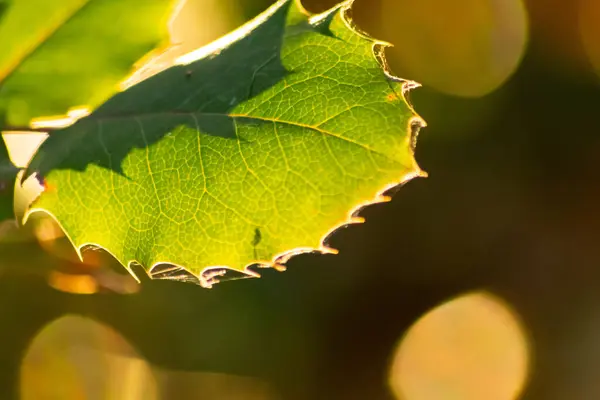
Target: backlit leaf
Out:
[251,150]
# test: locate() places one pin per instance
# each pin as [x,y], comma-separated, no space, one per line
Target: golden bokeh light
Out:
[78,358]
[73,283]
[469,348]
[589,25]
[464,47]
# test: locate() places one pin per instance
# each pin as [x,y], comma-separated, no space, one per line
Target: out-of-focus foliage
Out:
[511,207]
[8,171]
[247,155]
[65,53]
[8,175]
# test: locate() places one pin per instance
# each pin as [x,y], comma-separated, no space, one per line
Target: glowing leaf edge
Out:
[209,275]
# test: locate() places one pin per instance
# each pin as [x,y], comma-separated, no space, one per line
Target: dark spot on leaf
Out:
[257,237]
[255,241]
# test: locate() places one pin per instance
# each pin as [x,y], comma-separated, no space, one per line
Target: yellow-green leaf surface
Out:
[253,149]
[58,54]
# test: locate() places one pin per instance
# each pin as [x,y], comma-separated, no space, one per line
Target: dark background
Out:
[510,207]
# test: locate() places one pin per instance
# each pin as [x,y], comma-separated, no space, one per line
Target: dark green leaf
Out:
[3,8]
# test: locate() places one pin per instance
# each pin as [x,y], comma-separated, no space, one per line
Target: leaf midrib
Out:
[266,119]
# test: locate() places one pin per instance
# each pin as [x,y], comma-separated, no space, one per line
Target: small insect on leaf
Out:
[257,237]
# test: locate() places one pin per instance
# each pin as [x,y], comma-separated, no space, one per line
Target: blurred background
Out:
[479,282]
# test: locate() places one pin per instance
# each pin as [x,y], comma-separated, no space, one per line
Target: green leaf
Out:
[60,54]
[253,150]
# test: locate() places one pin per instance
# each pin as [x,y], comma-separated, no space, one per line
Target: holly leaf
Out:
[64,53]
[251,150]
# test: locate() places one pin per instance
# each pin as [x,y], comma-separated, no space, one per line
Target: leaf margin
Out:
[210,275]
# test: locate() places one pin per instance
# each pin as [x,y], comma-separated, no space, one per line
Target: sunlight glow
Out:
[73,283]
[465,47]
[22,146]
[52,122]
[470,348]
[215,47]
[589,27]
[79,112]
[78,358]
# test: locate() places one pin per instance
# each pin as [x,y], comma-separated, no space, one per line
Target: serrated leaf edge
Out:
[208,276]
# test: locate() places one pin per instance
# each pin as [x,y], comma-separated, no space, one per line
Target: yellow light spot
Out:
[463,47]
[470,348]
[79,112]
[60,121]
[46,230]
[51,122]
[71,283]
[279,267]
[589,26]
[78,358]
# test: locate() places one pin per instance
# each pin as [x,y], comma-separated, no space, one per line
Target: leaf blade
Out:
[283,153]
